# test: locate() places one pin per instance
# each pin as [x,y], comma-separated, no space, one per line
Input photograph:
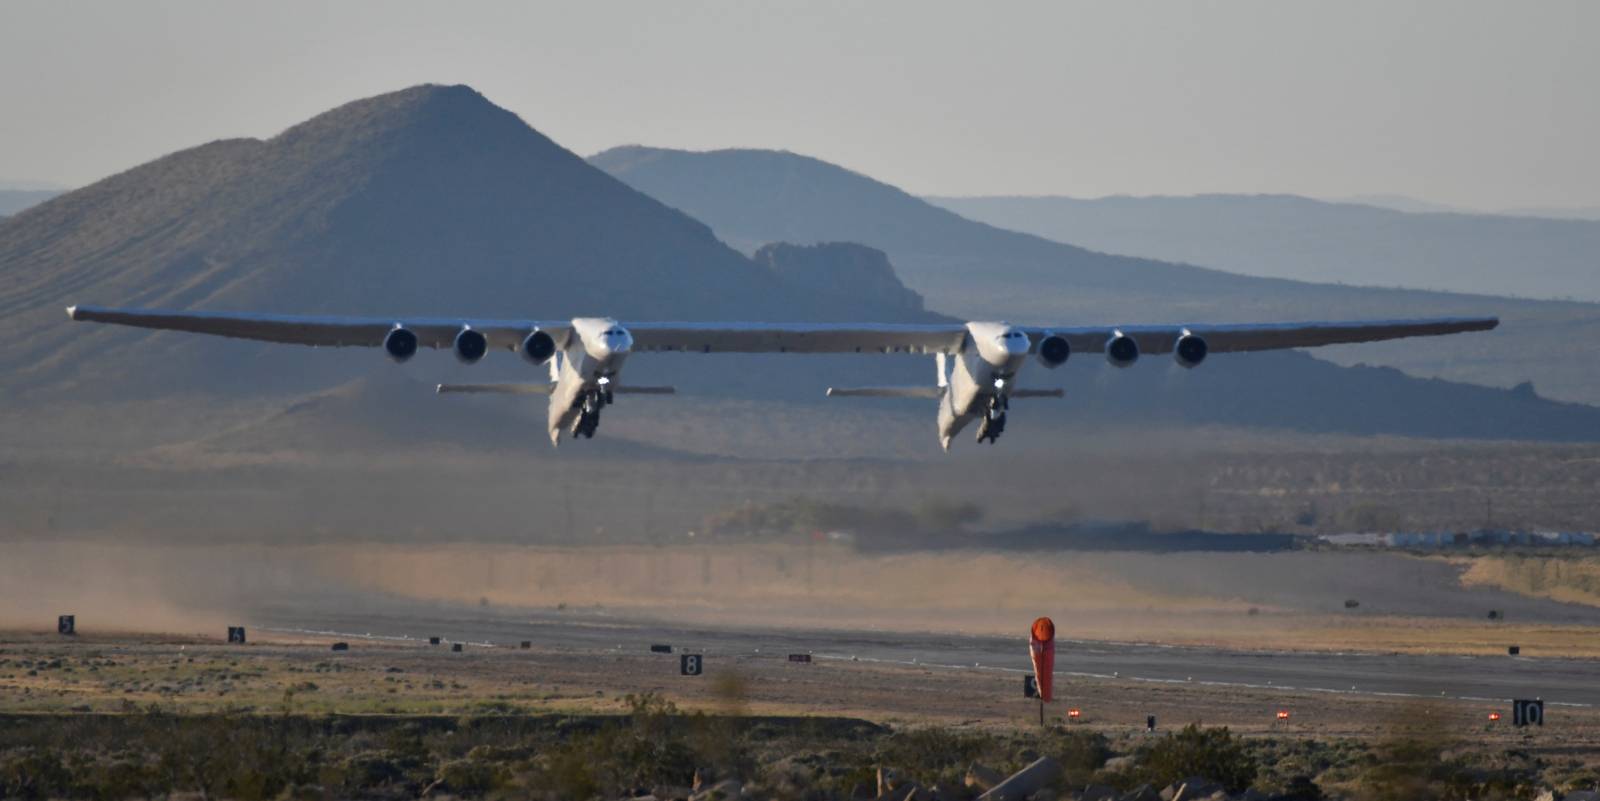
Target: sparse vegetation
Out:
[153,753]
[1216,754]
[1565,577]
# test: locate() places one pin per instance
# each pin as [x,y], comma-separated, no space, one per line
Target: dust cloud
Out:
[1289,599]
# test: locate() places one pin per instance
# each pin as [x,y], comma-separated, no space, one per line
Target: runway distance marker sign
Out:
[691,664]
[1525,712]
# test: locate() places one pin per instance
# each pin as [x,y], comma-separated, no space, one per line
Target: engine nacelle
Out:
[1190,350]
[470,346]
[1122,350]
[538,347]
[1053,351]
[400,343]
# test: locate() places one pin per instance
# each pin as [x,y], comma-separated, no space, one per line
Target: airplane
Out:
[977,363]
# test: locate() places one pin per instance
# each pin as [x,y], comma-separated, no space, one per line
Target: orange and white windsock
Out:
[1042,647]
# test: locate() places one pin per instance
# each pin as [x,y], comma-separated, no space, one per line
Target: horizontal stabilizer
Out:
[933,393]
[546,389]
[506,389]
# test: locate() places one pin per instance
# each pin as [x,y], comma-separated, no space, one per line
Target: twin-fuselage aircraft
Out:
[977,363]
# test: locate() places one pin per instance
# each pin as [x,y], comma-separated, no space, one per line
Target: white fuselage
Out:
[985,369]
[982,375]
[587,363]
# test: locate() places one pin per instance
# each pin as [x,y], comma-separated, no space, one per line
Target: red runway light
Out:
[1283,714]
[1494,716]
[1074,714]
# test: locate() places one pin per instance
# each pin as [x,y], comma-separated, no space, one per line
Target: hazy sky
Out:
[1487,104]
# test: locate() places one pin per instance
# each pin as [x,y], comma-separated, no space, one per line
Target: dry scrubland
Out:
[1561,577]
[1290,601]
[391,461]
[143,715]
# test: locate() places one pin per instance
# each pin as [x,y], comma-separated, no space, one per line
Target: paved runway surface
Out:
[1558,681]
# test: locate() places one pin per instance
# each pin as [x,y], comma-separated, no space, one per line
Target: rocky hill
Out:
[970,269]
[1284,236]
[431,200]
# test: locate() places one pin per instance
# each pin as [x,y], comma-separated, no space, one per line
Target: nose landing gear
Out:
[589,405]
[994,419]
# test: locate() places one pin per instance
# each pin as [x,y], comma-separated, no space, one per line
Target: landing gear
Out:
[589,406]
[994,419]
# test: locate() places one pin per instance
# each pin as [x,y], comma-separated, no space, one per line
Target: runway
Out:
[1560,682]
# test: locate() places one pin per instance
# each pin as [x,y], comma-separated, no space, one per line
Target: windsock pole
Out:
[1042,652]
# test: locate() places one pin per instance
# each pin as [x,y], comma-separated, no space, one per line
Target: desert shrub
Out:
[119,778]
[369,771]
[933,755]
[31,773]
[653,745]
[470,777]
[1080,753]
[1291,767]
[1214,754]
[1417,769]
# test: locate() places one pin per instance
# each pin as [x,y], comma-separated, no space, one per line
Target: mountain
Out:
[1284,236]
[15,200]
[1556,212]
[433,201]
[843,270]
[970,269]
[1389,201]
[427,201]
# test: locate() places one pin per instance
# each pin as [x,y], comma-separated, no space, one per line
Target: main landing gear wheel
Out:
[994,420]
[589,414]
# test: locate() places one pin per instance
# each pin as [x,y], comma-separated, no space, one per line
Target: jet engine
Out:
[1122,350]
[470,346]
[1190,350]
[400,343]
[538,347]
[1053,351]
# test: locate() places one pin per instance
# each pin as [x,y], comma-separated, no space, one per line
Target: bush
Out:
[1080,753]
[33,774]
[1214,754]
[934,756]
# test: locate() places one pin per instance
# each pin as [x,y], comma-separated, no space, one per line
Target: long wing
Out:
[768,337]
[1263,336]
[432,332]
[797,337]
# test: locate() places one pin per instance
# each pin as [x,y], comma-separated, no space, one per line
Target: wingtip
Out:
[438,389]
[72,312]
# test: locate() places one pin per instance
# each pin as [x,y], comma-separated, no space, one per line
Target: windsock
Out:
[1042,647]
